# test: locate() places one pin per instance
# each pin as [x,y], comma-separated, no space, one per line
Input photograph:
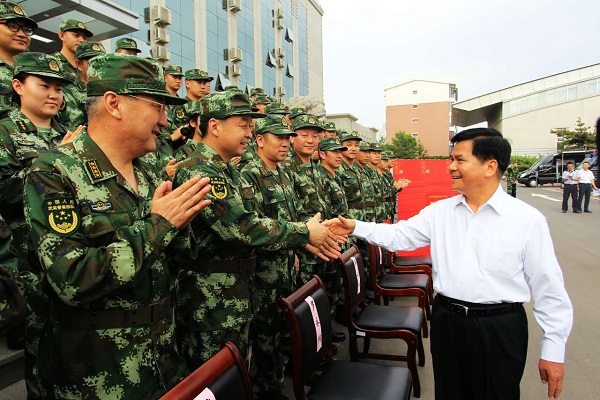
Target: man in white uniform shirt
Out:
[486,247]
[586,182]
[569,180]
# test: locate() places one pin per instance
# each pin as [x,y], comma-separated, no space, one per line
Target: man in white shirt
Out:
[586,182]
[569,180]
[485,246]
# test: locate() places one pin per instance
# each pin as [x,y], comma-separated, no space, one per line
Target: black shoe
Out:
[587,211]
[337,337]
[564,211]
[577,211]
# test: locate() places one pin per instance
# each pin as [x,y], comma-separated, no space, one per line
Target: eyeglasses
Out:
[14,27]
[161,105]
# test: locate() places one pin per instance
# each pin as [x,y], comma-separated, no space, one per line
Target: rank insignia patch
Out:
[101,206]
[95,171]
[61,214]
[180,114]
[219,188]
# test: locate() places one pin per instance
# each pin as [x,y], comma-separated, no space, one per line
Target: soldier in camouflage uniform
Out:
[15,37]
[330,153]
[275,277]
[261,103]
[390,192]
[72,111]
[308,183]
[24,135]
[379,186]
[512,175]
[84,52]
[197,84]
[213,293]
[101,225]
[176,114]
[362,161]
[191,132]
[329,130]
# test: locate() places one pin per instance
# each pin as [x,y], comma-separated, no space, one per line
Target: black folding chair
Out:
[307,312]
[377,321]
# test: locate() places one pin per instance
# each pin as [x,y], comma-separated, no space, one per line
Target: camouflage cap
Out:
[306,121]
[127,75]
[195,108]
[227,104]
[234,88]
[277,108]
[329,126]
[376,147]
[39,64]
[74,25]
[89,50]
[346,135]
[174,69]
[387,155]
[262,100]
[365,146]
[297,111]
[127,44]
[275,124]
[259,91]
[10,10]
[330,144]
[197,75]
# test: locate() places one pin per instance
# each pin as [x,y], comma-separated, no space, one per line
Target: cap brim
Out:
[87,33]
[169,99]
[282,131]
[57,76]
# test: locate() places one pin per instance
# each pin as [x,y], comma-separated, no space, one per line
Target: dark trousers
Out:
[570,190]
[477,358]
[585,190]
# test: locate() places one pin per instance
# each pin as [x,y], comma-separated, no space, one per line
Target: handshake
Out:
[325,237]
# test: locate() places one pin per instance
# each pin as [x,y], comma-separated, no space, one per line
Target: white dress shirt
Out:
[585,176]
[569,177]
[488,257]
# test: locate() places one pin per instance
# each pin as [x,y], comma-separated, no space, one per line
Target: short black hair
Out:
[569,162]
[488,144]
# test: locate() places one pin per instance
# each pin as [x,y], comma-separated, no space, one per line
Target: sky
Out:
[482,46]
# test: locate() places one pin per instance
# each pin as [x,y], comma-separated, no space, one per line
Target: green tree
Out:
[581,138]
[406,146]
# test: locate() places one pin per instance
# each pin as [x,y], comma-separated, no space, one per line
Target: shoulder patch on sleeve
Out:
[218,187]
[62,215]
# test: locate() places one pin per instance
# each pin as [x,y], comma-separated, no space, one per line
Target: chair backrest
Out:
[351,263]
[308,314]
[223,377]
[377,260]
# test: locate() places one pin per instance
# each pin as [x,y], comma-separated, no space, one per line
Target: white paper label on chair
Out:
[315,314]
[360,333]
[357,274]
[380,255]
[206,394]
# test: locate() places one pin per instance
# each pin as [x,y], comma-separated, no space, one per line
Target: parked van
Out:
[549,168]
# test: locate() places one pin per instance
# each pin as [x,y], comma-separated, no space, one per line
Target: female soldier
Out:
[191,131]
[24,134]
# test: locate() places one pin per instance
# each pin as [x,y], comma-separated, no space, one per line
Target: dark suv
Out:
[549,168]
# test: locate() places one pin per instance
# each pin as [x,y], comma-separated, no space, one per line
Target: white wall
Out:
[315,51]
[529,132]
[427,92]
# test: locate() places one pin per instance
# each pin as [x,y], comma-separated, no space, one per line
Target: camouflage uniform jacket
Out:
[72,111]
[208,299]
[352,184]
[101,249]
[334,194]
[308,185]
[20,145]
[368,192]
[274,198]
[158,159]
[68,70]
[511,174]
[176,116]
[391,194]
[6,89]
[186,150]
[249,154]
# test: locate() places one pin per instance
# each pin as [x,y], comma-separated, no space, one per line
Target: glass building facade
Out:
[277,60]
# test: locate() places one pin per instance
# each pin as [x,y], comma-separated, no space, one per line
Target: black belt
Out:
[466,309]
[230,266]
[78,318]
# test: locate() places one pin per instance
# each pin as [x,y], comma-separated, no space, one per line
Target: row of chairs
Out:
[307,310]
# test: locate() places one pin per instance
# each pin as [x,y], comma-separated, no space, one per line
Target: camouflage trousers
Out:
[197,347]
[271,343]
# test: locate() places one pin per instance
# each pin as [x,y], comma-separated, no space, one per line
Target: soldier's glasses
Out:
[14,27]
[161,105]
